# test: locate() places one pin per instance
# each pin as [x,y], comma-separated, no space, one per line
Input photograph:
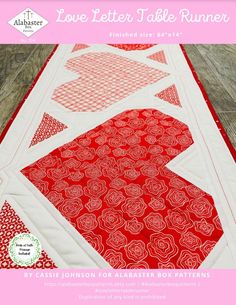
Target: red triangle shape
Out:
[170,95]
[78,47]
[47,128]
[159,56]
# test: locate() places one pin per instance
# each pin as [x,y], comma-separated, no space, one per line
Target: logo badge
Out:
[24,249]
[28,22]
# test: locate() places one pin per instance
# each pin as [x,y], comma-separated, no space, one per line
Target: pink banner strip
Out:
[118,286]
[118,21]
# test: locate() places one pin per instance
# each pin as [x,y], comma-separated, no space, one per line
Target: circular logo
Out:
[24,249]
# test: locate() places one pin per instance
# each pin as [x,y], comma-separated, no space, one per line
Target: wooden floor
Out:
[214,64]
[19,65]
[216,68]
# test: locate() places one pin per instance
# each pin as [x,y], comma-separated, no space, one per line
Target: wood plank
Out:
[12,93]
[221,59]
[228,120]
[219,96]
[12,58]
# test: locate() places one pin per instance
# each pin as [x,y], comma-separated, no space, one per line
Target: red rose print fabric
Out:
[48,127]
[113,186]
[10,226]
[132,47]
[104,78]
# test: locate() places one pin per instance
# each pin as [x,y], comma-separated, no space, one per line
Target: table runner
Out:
[118,157]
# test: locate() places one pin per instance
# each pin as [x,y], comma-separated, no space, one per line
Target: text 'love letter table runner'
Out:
[120,163]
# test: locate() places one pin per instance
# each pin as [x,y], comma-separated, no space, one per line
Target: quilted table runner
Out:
[117,160]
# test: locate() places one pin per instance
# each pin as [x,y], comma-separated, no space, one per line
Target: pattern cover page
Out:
[117,152]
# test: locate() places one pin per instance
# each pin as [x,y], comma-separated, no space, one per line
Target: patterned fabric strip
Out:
[132,47]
